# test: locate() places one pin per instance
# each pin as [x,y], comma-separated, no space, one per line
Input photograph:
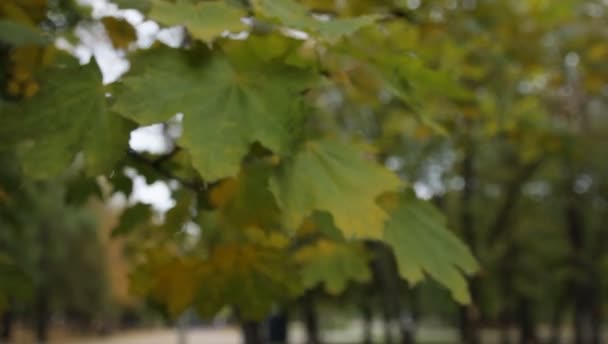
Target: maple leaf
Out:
[294,15]
[16,33]
[205,20]
[226,106]
[120,32]
[423,244]
[330,176]
[245,201]
[67,116]
[332,263]
[247,276]
[176,283]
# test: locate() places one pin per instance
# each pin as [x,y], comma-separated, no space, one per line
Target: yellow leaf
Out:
[224,192]
[121,33]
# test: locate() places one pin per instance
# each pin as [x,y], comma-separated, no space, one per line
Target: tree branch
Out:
[156,165]
[503,216]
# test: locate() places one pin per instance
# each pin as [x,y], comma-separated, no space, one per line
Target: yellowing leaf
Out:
[224,192]
[204,20]
[329,176]
[424,245]
[121,33]
[226,106]
[332,263]
[253,204]
[249,277]
[176,283]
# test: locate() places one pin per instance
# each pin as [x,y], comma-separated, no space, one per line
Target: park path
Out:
[230,335]
[168,336]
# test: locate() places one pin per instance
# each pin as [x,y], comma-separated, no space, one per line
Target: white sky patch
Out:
[157,194]
[571,60]
[112,62]
[149,139]
[293,33]
[394,163]
[423,191]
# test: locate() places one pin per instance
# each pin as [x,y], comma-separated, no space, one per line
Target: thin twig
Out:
[156,165]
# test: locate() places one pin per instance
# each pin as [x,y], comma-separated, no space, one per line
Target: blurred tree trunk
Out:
[527,325]
[575,230]
[42,297]
[505,327]
[556,320]
[251,332]
[311,318]
[469,315]
[596,322]
[366,312]
[8,321]
[278,327]
[386,278]
[505,317]
[42,315]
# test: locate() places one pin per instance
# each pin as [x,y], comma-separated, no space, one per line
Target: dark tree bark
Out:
[579,288]
[252,333]
[311,318]
[469,315]
[277,327]
[527,325]
[8,321]
[366,312]
[556,321]
[505,327]
[43,292]
[596,322]
[42,316]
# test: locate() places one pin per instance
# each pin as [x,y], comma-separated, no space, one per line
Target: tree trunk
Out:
[311,318]
[527,325]
[8,321]
[277,327]
[469,315]
[407,328]
[505,327]
[366,312]
[596,323]
[385,277]
[251,332]
[386,322]
[42,316]
[575,230]
[556,321]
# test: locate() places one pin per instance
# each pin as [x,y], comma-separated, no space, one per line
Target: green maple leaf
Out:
[204,20]
[16,33]
[329,176]
[245,201]
[332,263]
[295,15]
[423,244]
[142,6]
[67,116]
[227,105]
[131,217]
